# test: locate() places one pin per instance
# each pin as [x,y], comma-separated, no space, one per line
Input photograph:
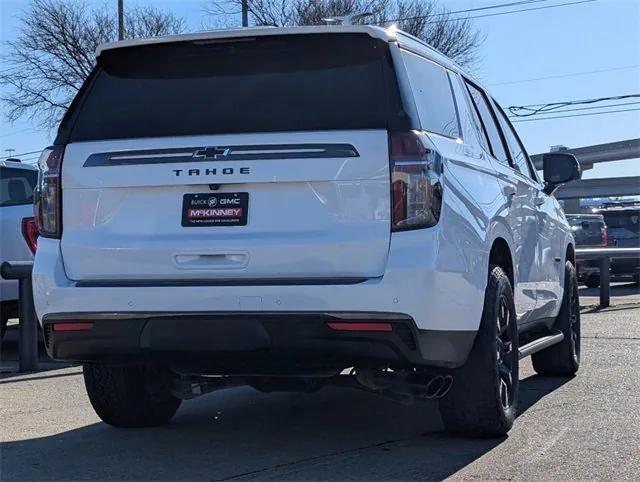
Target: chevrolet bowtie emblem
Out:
[212,152]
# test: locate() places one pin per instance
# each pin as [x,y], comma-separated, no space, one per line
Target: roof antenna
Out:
[347,19]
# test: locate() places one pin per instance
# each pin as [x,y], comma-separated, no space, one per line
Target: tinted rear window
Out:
[16,186]
[278,83]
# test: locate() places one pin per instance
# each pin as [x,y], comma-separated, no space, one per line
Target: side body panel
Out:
[521,216]
[553,240]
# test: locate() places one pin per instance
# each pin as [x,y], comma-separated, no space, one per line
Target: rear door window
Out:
[433,95]
[260,84]
[467,112]
[489,123]
[16,186]
[518,155]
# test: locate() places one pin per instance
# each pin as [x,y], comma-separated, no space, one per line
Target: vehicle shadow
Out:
[334,434]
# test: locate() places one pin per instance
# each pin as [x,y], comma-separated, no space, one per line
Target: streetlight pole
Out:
[245,13]
[120,19]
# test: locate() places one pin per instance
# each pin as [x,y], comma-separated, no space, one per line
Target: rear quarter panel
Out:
[468,225]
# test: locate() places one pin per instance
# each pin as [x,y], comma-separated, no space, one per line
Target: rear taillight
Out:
[74,326]
[47,197]
[30,233]
[605,236]
[416,190]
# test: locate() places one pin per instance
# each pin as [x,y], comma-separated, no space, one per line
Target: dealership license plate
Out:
[223,209]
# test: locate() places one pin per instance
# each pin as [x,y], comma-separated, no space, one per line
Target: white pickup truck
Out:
[18,232]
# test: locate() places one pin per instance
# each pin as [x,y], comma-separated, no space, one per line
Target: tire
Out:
[477,404]
[563,359]
[130,396]
[592,281]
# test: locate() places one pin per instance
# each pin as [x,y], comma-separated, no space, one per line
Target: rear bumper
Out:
[436,292]
[252,343]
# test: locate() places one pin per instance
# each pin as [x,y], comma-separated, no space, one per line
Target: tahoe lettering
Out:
[226,171]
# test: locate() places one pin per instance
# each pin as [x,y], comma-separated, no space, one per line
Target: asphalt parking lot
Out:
[568,428]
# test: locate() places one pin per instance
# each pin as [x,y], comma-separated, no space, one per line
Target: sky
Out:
[601,35]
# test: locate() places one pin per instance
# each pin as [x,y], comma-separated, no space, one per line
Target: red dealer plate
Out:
[221,209]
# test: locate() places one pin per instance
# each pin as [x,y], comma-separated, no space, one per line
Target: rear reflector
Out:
[360,326]
[72,326]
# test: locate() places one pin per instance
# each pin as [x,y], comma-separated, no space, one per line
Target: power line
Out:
[488,7]
[533,109]
[577,115]
[561,76]
[491,14]
[582,108]
[21,154]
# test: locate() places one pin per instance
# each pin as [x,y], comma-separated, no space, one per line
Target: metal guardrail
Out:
[605,255]
[28,327]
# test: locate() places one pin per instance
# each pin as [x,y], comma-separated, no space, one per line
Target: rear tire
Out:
[130,396]
[483,399]
[563,359]
[592,281]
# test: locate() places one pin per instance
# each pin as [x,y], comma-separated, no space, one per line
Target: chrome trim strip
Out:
[221,153]
[153,283]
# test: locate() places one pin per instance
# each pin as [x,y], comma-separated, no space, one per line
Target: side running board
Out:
[540,344]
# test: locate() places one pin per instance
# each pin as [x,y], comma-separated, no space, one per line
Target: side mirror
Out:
[559,168]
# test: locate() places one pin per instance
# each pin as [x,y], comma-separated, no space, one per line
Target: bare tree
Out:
[54,53]
[452,35]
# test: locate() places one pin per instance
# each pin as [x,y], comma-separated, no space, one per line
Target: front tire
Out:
[130,396]
[563,359]
[483,399]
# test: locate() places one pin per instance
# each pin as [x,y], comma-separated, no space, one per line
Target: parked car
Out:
[273,207]
[623,226]
[17,181]
[589,231]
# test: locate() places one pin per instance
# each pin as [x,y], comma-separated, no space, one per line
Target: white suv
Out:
[18,232]
[273,207]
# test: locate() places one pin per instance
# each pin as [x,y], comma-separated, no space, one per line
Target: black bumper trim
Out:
[245,342]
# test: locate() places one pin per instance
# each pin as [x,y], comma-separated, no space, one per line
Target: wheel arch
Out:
[570,254]
[500,255]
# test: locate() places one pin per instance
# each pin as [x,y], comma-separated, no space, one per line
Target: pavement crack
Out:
[312,459]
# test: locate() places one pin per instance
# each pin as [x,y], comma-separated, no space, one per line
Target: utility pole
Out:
[245,13]
[120,19]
